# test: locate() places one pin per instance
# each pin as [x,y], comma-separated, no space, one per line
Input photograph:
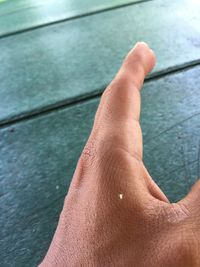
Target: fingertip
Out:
[145,54]
[141,43]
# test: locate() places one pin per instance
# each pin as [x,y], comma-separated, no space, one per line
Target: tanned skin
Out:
[114,213]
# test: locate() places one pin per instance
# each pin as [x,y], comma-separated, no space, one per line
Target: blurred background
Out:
[56,58]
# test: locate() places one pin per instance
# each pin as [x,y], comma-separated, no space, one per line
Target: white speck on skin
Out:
[57,187]
[120,196]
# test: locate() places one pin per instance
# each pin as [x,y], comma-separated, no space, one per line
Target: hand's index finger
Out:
[139,63]
[122,95]
[119,109]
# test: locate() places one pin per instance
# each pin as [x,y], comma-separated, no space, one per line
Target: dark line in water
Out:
[86,14]
[92,96]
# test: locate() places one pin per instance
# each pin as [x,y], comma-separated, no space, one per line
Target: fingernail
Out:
[140,43]
[143,43]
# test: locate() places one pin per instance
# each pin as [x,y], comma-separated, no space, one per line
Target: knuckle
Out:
[89,153]
[96,149]
[100,153]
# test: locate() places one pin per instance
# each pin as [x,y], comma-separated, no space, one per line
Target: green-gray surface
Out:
[38,158]
[50,66]
[19,15]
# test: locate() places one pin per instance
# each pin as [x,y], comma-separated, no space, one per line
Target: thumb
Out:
[192,199]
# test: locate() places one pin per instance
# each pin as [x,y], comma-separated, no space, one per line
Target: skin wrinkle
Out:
[111,140]
[142,229]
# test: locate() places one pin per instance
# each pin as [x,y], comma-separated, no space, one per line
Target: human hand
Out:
[114,214]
